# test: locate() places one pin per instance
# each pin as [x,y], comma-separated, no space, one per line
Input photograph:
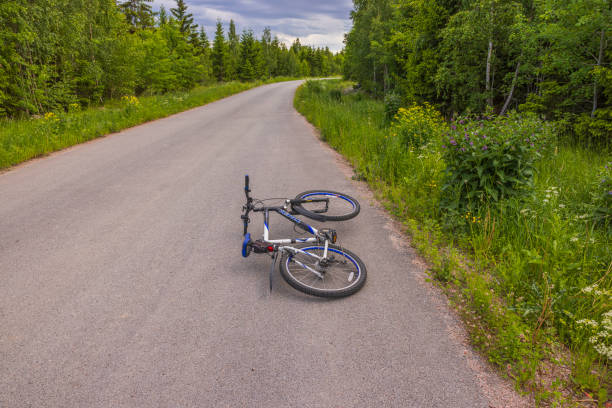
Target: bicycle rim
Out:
[340,275]
[339,205]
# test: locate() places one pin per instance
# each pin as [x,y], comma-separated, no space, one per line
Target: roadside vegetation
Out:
[514,220]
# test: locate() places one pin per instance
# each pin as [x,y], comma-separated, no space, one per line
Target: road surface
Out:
[122,283]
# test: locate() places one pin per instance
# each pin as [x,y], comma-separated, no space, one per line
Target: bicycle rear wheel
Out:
[339,207]
[342,274]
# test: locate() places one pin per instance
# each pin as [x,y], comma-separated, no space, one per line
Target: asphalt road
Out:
[122,284]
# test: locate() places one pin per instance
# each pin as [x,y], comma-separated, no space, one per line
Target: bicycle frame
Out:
[280,242]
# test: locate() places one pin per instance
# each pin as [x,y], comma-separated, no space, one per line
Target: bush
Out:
[595,131]
[489,159]
[315,86]
[392,103]
[418,125]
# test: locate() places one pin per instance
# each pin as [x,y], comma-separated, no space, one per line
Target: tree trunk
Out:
[386,80]
[516,71]
[488,75]
[374,72]
[599,61]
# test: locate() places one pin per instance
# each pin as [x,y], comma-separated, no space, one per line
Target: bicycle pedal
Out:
[260,247]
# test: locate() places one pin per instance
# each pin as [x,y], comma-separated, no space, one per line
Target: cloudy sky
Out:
[319,23]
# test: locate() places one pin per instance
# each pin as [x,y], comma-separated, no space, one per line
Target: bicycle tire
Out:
[307,282]
[346,206]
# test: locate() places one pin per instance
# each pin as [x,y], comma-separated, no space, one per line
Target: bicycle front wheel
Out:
[341,274]
[336,207]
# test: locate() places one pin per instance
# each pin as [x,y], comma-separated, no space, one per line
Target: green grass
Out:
[24,139]
[521,276]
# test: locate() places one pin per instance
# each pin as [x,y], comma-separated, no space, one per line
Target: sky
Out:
[320,23]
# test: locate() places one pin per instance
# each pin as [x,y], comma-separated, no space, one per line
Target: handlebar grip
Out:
[246,183]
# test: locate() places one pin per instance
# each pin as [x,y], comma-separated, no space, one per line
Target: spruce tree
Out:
[233,45]
[162,16]
[138,13]
[219,54]
[184,19]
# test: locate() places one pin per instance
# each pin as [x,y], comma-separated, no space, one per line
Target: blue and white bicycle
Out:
[314,265]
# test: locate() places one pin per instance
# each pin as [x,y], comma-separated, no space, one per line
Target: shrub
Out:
[314,86]
[595,130]
[392,103]
[489,159]
[418,125]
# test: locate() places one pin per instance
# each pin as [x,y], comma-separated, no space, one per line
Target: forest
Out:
[550,57]
[55,54]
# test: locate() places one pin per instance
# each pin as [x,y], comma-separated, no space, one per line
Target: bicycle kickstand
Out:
[272,271]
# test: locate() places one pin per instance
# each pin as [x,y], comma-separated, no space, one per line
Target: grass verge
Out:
[530,275]
[24,139]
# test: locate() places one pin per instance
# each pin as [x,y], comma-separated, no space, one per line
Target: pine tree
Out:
[184,19]
[251,61]
[138,13]
[233,45]
[219,54]
[162,16]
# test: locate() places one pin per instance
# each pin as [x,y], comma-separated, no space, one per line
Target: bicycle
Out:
[314,265]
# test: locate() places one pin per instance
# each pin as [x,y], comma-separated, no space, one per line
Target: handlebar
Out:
[249,206]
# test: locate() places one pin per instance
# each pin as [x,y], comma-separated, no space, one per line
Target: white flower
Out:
[589,289]
[574,239]
[588,322]
[561,205]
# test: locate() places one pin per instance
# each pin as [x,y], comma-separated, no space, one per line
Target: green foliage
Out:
[138,13]
[489,160]
[602,197]
[393,102]
[547,57]
[418,126]
[251,60]
[184,19]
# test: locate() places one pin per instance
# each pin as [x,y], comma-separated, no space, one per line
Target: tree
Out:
[251,62]
[138,13]
[233,52]
[219,54]
[185,20]
[162,16]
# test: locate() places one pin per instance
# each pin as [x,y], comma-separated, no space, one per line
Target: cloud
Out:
[320,23]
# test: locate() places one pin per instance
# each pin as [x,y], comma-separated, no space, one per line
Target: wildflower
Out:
[454,127]
[574,239]
[589,289]
[588,322]
[453,142]
[561,205]
[444,146]
[484,147]
[471,143]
